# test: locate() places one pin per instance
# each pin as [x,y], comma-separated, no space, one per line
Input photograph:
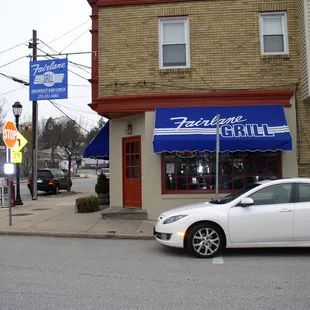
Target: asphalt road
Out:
[77,185]
[59,273]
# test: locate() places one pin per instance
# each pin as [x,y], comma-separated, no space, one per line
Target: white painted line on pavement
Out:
[218,260]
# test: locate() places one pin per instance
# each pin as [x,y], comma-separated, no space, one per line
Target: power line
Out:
[12,61]
[55,105]
[47,55]
[75,39]
[11,91]
[15,79]
[70,31]
[70,61]
[11,48]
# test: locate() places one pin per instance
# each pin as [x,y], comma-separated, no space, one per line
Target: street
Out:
[62,273]
[82,184]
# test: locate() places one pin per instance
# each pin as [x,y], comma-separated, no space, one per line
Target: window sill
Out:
[283,56]
[174,70]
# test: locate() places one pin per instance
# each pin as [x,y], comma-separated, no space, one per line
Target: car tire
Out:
[205,240]
[56,190]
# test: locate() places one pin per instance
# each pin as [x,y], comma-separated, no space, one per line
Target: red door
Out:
[132,196]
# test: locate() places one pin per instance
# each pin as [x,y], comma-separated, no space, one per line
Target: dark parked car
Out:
[51,180]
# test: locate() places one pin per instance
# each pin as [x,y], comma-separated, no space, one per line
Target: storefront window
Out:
[195,171]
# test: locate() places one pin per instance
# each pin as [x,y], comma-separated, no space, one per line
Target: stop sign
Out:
[9,134]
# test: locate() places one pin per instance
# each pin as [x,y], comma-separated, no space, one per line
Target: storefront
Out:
[166,158]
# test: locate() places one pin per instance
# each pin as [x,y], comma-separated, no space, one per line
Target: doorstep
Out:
[124,213]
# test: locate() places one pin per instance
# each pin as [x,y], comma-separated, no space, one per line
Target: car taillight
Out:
[51,182]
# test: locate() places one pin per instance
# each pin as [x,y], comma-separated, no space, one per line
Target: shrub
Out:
[87,204]
[103,185]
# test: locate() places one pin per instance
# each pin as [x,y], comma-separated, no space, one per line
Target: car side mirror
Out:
[246,202]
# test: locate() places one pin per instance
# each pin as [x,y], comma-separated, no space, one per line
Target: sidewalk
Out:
[56,216]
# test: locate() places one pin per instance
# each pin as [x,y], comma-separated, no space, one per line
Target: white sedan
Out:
[266,214]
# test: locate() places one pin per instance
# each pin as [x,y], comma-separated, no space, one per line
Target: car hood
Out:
[188,209]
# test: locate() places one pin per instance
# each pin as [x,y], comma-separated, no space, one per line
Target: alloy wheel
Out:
[206,241]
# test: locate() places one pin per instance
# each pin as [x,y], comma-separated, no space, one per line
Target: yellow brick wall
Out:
[224,48]
[224,53]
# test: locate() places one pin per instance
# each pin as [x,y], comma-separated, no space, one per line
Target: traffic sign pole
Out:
[10,200]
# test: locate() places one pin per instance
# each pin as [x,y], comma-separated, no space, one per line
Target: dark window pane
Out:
[128,173]
[174,55]
[132,147]
[137,160]
[137,172]
[132,160]
[128,160]
[127,148]
[137,149]
[273,44]
[170,183]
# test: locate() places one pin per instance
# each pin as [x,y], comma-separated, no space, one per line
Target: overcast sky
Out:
[51,19]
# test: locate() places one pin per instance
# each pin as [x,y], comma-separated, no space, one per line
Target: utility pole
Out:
[34,127]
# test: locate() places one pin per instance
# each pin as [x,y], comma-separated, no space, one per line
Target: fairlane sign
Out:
[235,126]
[48,79]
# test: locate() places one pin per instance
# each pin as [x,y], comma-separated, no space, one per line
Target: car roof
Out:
[284,180]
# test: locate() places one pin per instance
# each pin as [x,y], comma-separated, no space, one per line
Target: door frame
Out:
[124,140]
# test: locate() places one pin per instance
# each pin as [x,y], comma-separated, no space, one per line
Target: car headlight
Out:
[173,219]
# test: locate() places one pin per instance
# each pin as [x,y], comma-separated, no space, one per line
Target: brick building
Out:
[155,61]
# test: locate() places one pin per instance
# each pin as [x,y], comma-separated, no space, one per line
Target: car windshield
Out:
[234,195]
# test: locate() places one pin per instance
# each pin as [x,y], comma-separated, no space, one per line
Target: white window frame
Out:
[170,20]
[285,33]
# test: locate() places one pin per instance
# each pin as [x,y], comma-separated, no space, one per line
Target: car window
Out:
[274,194]
[44,174]
[303,192]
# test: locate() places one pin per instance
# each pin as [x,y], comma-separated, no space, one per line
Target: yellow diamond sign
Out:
[17,157]
[20,143]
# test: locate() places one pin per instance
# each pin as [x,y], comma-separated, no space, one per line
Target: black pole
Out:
[34,128]
[18,200]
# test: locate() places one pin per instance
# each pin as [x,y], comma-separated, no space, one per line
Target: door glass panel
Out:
[132,160]
[137,160]
[128,173]
[137,172]
[128,160]
[137,149]
[127,148]
[132,147]
[275,194]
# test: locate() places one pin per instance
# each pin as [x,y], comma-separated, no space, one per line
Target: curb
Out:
[76,235]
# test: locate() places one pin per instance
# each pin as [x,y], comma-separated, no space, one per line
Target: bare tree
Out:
[71,140]
[3,111]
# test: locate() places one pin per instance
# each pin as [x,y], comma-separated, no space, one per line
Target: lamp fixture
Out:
[128,130]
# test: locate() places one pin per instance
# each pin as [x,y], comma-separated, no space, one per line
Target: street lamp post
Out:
[17,111]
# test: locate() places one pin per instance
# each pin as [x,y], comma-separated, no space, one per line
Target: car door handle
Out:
[286,210]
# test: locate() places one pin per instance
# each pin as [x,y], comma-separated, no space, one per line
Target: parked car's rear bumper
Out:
[43,188]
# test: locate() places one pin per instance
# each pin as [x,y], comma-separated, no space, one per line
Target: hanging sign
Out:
[48,79]
[186,154]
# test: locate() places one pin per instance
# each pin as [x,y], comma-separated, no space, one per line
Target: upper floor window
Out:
[173,43]
[273,33]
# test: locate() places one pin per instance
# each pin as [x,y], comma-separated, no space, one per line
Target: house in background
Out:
[162,70]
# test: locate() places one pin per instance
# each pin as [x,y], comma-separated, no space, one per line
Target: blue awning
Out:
[99,147]
[242,128]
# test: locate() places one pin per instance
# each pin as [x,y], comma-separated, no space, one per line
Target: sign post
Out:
[10,139]
[217,157]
